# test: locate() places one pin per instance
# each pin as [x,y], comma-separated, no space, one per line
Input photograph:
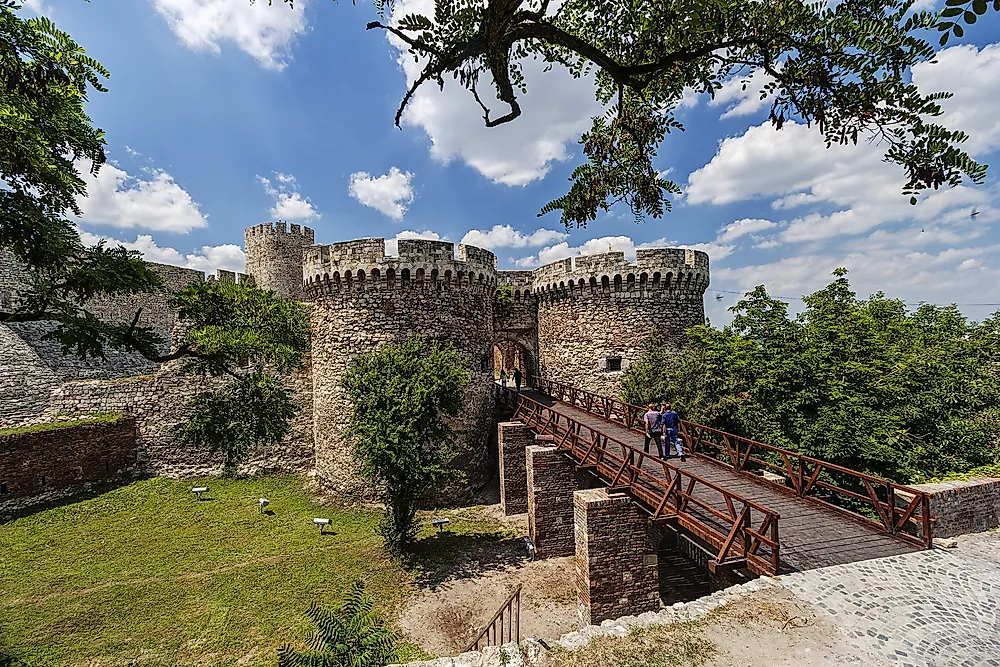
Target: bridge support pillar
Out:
[551,483]
[512,439]
[616,564]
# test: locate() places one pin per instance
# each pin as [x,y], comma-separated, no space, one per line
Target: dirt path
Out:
[445,617]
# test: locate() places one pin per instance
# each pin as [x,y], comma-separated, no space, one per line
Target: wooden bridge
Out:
[823,514]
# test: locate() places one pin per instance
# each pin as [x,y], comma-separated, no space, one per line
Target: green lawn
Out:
[145,575]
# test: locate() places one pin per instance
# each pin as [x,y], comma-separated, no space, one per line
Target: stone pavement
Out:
[933,608]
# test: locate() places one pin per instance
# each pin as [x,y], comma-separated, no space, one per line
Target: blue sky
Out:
[221,115]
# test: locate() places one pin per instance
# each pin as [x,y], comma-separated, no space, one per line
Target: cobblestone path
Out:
[934,608]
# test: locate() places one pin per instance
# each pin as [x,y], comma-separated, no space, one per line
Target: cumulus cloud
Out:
[974,77]
[555,112]
[559,251]
[36,7]
[118,199]
[265,33]
[392,245]
[207,258]
[289,204]
[505,236]
[742,94]
[739,228]
[388,193]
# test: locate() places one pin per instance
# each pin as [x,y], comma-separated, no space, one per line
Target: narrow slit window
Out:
[613,363]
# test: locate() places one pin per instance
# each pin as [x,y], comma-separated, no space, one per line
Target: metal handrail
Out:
[743,531]
[495,629]
[802,471]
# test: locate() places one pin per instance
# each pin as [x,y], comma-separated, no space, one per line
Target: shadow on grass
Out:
[447,555]
[73,496]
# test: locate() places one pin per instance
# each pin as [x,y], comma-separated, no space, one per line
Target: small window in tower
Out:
[3,489]
[613,363]
[43,480]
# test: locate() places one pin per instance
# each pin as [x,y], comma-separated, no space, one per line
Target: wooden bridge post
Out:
[512,439]
[616,565]
[551,483]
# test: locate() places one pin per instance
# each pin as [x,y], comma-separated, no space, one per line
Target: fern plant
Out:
[353,635]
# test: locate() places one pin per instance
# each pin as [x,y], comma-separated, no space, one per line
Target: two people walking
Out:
[659,423]
[517,379]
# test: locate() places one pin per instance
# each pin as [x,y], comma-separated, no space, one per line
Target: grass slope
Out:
[145,575]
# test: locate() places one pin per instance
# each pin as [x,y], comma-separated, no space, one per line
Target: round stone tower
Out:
[274,256]
[596,311]
[361,298]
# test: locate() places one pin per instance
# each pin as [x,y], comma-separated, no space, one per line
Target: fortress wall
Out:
[274,256]
[596,309]
[361,299]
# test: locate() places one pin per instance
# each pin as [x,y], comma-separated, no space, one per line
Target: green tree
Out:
[505,296]
[246,335]
[646,379]
[860,382]
[402,394]
[842,68]
[353,635]
[45,139]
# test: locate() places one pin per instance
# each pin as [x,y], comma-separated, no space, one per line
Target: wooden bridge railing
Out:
[742,532]
[900,510]
[497,632]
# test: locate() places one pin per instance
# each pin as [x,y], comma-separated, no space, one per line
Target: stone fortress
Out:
[581,320]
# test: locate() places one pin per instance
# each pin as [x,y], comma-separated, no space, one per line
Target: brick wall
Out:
[512,439]
[551,481]
[47,464]
[616,563]
[961,507]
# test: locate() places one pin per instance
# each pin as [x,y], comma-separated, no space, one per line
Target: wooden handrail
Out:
[803,472]
[743,531]
[494,632]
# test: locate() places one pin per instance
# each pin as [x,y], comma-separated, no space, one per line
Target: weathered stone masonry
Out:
[512,440]
[362,298]
[960,507]
[551,481]
[596,311]
[274,256]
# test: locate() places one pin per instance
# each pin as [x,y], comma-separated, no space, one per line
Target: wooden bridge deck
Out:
[812,535]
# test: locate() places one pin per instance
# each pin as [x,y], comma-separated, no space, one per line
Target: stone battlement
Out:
[222,275]
[280,229]
[363,263]
[660,269]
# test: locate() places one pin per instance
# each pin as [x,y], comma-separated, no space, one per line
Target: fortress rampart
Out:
[581,320]
[361,298]
[274,256]
[595,312]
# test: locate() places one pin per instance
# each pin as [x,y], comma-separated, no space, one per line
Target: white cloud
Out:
[559,251]
[387,193]
[974,78]
[555,112]
[289,204]
[207,259]
[263,32]
[117,199]
[505,236]
[743,102]
[36,7]
[739,228]
[392,246]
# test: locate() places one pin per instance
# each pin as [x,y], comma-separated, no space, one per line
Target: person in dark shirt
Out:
[653,429]
[517,379]
[671,423]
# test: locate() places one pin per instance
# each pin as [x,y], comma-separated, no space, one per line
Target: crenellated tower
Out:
[274,256]
[596,311]
[361,298]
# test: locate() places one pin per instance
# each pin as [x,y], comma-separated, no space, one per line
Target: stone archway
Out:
[508,355]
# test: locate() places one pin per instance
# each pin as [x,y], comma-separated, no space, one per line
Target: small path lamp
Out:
[198,490]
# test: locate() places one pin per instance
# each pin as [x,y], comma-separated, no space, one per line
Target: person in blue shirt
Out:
[670,423]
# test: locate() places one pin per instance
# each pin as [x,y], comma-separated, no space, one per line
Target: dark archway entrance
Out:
[508,355]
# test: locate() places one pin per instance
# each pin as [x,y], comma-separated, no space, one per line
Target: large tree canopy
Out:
[843,69]
[235,331]
[865,383]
